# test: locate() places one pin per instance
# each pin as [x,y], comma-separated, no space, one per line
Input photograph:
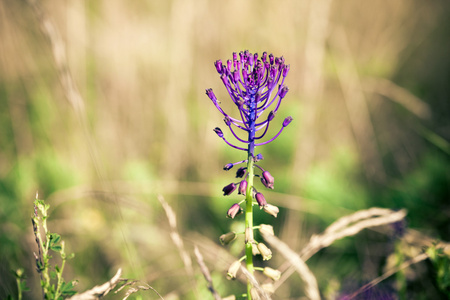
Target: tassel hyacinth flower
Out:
[256,87]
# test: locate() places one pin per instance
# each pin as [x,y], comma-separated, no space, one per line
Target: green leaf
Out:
[24,287]
[54,238]
[52,274]
[57,268]
[66,288]
[56,248]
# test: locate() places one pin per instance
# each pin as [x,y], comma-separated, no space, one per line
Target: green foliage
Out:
[21,283]
[441,263]
[52,281]
[335,183]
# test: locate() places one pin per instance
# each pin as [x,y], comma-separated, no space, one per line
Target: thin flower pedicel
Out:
[256,86]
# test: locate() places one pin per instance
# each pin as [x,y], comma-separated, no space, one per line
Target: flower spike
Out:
[256,85]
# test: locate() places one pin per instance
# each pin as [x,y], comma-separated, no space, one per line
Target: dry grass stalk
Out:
[135,289]
[260,291]
[357,108]
[399,95]
[311,289]
[65,77]
[59,56]
[351,225]
[175,236]
[100,290]
[389,273]
[206,273]
[344,227]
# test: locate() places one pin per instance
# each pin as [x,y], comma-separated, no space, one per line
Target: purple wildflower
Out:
[252,85]
[234,210]
[241,172]
[227,190]
[228,166]
[242,187]
[261,200]
[267,180]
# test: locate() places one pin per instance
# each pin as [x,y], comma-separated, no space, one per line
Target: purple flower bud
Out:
[258,97]
[261,200]
[227,190]
[228,166]
[235,56]
[271,116]
[227,120]
[250,60]
[229,64]
[286,70]
[219,66]
[258,157]
[211,95]
[270,82]
[224,79]
[277,60]
[267,180]
[287,121]
[264,56]
[235,76]
[218,131]
[241,56]
[241,172]
[242,187]
[234,210]
[283,91]
[271,58]
[273,71]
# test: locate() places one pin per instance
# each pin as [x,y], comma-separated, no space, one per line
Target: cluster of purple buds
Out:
[252,84]
[256,87]
[266,179]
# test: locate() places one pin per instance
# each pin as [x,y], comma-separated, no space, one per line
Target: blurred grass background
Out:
[369,94]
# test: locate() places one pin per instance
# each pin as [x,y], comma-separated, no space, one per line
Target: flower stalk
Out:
[256,86]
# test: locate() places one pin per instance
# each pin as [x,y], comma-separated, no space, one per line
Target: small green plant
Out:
[52,281]
[21,283]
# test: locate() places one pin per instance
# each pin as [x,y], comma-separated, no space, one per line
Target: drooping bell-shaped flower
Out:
[267,180]
[242,187]
[234,210]
[261,200]
[227,190]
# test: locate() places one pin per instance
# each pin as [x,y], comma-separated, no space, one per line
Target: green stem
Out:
[249,223]
[19,274]
[60,271]
[44,246]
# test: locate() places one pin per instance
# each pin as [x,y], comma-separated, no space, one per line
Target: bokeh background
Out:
[369,94]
